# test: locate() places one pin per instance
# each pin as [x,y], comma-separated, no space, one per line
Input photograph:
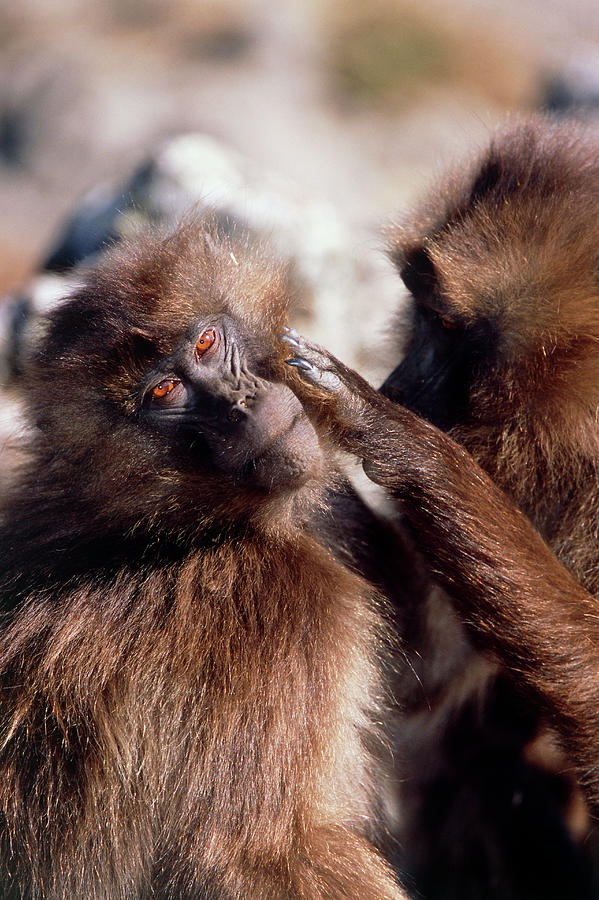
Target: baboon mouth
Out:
[291,457]
[280,438]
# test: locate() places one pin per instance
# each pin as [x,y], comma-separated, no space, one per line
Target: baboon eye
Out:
[167,391]
[448,323]
[205,342]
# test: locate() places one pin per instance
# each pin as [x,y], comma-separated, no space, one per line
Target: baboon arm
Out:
[508,586]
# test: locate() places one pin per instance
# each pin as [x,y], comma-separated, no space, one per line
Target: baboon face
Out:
[212,401]
[167,374]
[502,271]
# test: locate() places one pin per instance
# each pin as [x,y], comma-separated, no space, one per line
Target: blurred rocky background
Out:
[311,122]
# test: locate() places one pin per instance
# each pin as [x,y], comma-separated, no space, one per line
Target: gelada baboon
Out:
[503,354]
[190,679]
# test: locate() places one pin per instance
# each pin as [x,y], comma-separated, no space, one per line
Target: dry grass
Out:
[394,52]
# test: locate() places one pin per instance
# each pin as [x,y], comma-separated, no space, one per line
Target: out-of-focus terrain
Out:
[356,103]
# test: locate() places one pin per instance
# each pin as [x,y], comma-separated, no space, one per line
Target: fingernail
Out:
[300,363]
[289,340]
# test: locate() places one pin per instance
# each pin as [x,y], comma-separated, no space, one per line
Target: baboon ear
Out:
[418,273]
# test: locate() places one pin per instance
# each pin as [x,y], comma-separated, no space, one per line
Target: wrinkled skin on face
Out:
[187,394]
[212,403]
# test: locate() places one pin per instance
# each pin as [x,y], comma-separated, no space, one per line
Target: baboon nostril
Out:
[237,412]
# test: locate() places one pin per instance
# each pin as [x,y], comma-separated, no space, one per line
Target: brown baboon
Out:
[191,681]
[502,266]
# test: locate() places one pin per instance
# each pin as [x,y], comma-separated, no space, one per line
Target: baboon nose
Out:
[239,410]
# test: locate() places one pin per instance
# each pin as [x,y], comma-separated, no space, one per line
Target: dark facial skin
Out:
[443,359]
[180,390]
[446,354]
[209,399]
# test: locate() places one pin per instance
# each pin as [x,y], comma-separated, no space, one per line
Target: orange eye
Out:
[164,388]
[447,323]
[206,340]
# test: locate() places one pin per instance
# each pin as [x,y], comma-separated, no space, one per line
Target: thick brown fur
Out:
[508,250]
[513,242]
[191,681]
[501,261]
[511,251]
